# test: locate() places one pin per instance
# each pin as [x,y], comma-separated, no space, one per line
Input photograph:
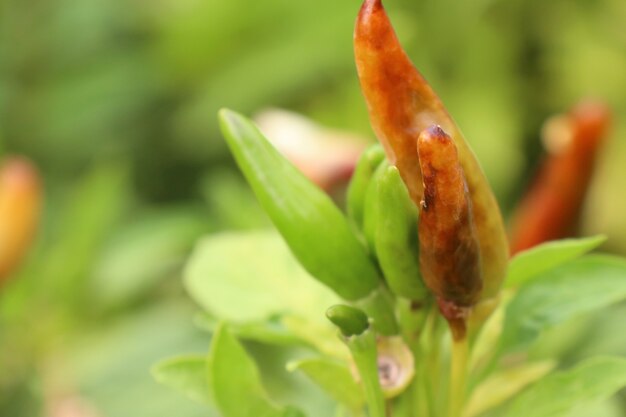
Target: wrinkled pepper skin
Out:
[449,249]
[551,207]
[20,201]
[401,104]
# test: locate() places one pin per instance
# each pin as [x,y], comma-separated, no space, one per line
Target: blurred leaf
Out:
[581,286]
[314,228]
[320,335]
[251,276]
[144,252]
[555,396]
[235,380]
[271,331]
[232,203]
[530,264]
[334,378]
[187,374]
[609,408]
[82,222]
[501,386]
[108,363]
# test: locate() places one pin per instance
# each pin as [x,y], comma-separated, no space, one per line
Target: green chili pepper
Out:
[397,246]
[371,212]
[314,228]
[363,173]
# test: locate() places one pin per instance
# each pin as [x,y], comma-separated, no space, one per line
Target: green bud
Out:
[365,168]
[397,246]
[314,228]
[371,212]
[350,321]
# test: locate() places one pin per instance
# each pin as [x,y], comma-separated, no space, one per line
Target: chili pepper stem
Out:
[364,353]
[458,375]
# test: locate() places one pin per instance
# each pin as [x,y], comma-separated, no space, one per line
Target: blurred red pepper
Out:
[20,200]
[552,205]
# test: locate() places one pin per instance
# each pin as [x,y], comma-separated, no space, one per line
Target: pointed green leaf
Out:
[333,377]
[557,395]
[235,380]
[579,287]
[314,228]
[186,374]
[528,265]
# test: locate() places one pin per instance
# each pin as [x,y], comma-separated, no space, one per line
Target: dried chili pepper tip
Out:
[438,148]
[441,171]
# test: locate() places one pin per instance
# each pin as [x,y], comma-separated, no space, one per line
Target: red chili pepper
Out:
[449,250]
[551,207]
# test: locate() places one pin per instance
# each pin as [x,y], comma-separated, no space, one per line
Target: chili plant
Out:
[431,318]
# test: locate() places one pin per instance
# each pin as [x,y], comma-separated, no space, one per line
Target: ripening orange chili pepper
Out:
[551,207]
[20,195]
[449,250]
[401,104]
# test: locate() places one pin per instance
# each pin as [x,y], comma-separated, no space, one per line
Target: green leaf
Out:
[579,287]
[187,374]
[252,276]
[501,386]
[333,377]
[141,254]
[557,395]
[316,231]
[272,331]
[235,380]
[530,264]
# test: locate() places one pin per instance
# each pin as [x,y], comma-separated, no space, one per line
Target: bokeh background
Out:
[115,102]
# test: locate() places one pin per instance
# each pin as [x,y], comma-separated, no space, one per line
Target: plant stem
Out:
[364,353]
[458,375]
[379,305]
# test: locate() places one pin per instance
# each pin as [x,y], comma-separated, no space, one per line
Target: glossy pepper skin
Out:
[20,201]
[449,250]
[401,104]
[551,207]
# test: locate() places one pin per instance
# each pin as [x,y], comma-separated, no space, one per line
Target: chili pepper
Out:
[357,189]
[449,250]
[401,104]
[396,241]
[20,195]
[315,230]
[371,212]
[551,207]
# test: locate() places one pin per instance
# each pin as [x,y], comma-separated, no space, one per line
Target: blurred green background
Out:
[115,102]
